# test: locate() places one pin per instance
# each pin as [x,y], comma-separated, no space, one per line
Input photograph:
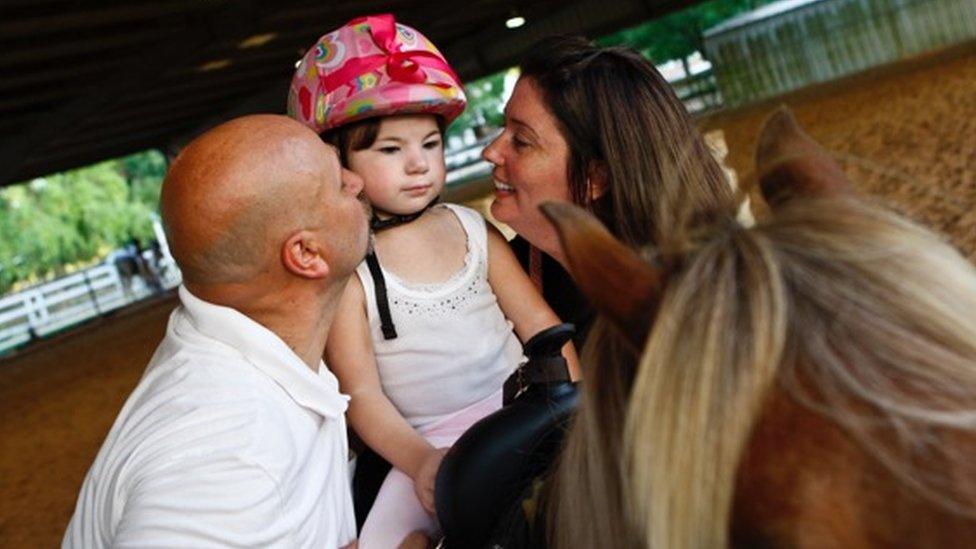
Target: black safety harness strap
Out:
[382,301]
[373,263]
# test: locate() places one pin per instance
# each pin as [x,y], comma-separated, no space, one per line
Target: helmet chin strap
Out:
[373,263]
[378,224]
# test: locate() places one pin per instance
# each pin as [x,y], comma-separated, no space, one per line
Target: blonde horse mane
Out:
[853,311]
[857,313]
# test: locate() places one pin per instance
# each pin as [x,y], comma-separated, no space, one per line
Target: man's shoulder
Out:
[191,406]
[202,379]
[192,427]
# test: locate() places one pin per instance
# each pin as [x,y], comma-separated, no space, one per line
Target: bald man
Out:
[236,433]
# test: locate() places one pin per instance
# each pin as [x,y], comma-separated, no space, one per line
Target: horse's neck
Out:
[804,482]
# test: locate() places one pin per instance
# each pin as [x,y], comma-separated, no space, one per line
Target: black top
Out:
[559,291]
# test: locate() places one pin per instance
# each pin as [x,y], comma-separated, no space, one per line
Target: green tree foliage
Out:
[75,217]
[144,173]
[679,34]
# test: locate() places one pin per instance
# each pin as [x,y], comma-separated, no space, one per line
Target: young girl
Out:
[423,338]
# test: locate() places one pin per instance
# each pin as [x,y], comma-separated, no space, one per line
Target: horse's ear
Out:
[617,281]
[791,164]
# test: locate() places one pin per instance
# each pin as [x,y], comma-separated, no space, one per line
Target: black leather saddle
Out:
[489,468]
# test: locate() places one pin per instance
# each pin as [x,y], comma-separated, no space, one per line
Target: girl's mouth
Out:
[417,189]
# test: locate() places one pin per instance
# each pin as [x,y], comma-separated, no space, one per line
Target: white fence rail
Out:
[47,308]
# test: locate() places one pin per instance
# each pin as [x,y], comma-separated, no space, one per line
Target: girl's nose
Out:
[417,162]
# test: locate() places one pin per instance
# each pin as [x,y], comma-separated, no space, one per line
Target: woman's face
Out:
[531,160]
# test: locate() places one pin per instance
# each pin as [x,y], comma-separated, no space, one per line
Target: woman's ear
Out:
[302,255]
[597,180]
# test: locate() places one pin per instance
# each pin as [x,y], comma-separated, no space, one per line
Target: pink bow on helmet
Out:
[401,66]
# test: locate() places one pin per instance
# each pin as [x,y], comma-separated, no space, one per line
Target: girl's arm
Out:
[349,354]
[518,297]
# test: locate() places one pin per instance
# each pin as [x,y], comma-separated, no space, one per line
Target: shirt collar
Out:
[268,353]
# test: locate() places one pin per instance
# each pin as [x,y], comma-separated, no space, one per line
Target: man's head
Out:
[261,200]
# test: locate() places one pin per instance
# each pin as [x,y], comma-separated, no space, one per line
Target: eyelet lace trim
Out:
[449,304]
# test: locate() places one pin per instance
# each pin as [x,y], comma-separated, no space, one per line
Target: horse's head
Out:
[806,371]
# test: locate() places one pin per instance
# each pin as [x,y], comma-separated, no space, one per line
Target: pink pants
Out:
[397,511]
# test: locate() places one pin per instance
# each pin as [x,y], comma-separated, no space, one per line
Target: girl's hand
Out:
[423,484]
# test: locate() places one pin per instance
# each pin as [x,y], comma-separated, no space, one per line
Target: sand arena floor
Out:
[907,132]
[57,403]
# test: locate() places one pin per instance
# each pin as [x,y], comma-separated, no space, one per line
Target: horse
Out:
[809,381]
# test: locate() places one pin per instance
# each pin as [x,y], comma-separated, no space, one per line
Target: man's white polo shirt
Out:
[229,439]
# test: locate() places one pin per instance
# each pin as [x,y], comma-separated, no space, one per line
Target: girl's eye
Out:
[389,149]
[432,144]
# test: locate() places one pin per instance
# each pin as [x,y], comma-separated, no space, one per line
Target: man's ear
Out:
[302,255]
[597,180]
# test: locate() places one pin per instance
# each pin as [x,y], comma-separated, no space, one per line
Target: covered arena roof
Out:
[86,81]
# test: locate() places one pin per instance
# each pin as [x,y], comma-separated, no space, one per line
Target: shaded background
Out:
[904,131]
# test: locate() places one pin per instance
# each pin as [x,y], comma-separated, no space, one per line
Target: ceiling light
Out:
[215,65]
[515,21]
[257,40]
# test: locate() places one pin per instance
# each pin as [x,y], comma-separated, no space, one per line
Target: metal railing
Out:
[699,92]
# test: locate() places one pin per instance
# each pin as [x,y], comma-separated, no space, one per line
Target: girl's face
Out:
[531,160]
[403,170]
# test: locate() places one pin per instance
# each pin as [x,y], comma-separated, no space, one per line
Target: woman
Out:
[599,127]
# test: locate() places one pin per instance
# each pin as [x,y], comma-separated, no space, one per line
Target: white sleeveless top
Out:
[454,346]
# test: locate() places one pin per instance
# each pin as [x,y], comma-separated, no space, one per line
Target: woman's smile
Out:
[502,189]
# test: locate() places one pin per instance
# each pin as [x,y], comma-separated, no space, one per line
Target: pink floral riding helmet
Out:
[372,66]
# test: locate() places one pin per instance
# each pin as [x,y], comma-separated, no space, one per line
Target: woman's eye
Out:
[519,143]
[432,144]
[389,150]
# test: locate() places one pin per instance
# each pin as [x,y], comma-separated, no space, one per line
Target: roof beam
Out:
[88,17]
[498,49]
[132,145]
[117,137]
[75,73]
[270,99]
[87,46]
[199,33]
